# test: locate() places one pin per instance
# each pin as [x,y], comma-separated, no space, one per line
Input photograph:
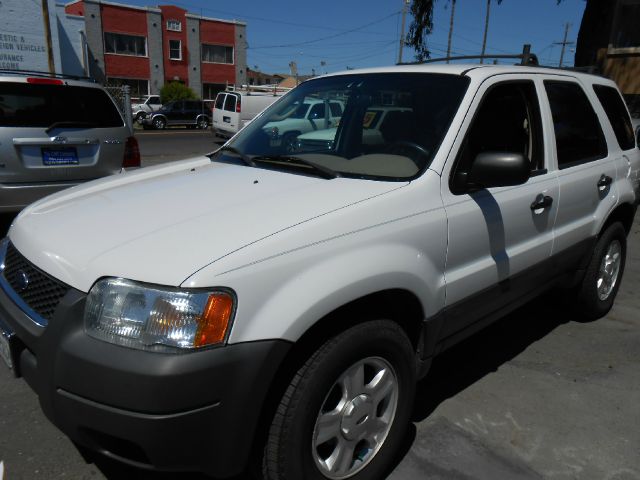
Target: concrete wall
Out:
[156,56]
[70,35]
[23,45]
[193,47]
[241,54]
[93,29]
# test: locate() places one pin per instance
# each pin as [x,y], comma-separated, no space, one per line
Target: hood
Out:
[161,224]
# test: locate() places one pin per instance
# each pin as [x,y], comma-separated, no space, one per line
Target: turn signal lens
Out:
[213,324]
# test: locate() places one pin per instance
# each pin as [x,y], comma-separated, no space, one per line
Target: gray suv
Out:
[56,132]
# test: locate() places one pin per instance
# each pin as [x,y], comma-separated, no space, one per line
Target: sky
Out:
[333,35]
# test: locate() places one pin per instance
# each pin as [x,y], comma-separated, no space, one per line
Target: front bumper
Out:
[195,411]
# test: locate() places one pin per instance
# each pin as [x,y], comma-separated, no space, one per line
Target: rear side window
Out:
[617,114]
[336,109]
[579,136]
[220,100]
[230,103]
[29,105]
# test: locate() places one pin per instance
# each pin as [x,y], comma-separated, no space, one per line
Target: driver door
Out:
[500,239]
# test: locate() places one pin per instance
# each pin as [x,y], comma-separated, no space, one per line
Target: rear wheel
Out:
[601,282]
[345,412]
[159,123]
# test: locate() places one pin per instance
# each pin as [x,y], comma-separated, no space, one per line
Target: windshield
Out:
[383,126]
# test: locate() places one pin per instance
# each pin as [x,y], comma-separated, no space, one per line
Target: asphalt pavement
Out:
[538,395]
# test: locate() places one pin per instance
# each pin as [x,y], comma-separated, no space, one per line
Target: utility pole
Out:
[564,43]
[486,29]
[404,16]
[453,11]
[47,35]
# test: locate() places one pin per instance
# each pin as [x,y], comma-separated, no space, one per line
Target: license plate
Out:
[5,349]
[59,156]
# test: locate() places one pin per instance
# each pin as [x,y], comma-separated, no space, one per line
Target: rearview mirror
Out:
[499,169]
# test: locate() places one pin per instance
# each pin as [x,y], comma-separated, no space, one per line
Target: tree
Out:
[176,91]
[595,28]
[422,26]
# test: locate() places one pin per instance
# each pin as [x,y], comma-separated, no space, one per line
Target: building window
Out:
[626,33]
[125,44]
[217,54]
[139,88]
[174,25]
[175,50]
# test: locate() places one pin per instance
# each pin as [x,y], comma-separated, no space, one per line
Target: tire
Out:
[159,123]
[289,142]
[335,379]
[598,289]
[203,123]
[139,117]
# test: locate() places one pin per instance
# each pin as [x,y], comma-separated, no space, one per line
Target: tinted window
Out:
[154,101]
[579,137]
[220,100]
[28,105]
[317,111]
[617,114]
[507,121]
[336,109]
[230,103]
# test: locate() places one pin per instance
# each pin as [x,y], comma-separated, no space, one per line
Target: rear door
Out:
[218,110]
[231,115]
[175,113]
[586,167]
[54,131]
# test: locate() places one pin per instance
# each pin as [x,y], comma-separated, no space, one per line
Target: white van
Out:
[233,109]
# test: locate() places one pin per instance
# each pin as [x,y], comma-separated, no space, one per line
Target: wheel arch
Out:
[623,213]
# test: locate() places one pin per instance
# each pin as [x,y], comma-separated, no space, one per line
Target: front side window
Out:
[579,136]
[337,124]
[507,121]
[617,114]
[175,50]
[217,54]
[125,44]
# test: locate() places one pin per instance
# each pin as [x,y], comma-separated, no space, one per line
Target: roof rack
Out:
[37,73]
[526,58]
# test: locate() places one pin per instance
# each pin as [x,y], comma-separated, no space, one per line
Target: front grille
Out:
[42,293]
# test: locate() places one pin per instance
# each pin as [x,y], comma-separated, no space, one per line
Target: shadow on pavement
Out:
[483,353]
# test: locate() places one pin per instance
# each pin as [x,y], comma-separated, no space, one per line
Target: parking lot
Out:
[539,394]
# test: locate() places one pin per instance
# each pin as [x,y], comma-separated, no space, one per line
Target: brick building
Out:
[146,47]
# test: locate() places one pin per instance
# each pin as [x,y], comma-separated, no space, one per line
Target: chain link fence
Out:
[121,95]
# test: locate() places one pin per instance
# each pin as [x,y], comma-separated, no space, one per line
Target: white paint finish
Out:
[163,225]
[493,233]
[285,283]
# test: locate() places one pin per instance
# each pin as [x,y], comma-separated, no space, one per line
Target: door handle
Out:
[541,202]
[604,182]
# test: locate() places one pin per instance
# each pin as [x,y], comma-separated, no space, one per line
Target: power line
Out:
[344,32]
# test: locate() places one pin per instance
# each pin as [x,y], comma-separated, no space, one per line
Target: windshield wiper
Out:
[78,124]
[323,171]
[237,152]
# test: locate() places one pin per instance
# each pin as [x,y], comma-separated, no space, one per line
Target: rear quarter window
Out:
[29,105]
[617,114]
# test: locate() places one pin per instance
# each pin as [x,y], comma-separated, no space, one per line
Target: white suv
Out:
[275,307]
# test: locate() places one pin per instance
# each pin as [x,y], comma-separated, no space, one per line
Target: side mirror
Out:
[499,169]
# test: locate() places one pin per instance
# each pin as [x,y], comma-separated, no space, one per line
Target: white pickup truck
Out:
[150,104]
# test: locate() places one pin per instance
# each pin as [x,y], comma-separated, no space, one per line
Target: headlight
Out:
[145,316]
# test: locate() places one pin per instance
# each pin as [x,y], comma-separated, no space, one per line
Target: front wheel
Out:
[601,281]
[159,123]
[203,123]
[345,412]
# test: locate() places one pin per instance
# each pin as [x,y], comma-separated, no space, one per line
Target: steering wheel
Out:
[417,153]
